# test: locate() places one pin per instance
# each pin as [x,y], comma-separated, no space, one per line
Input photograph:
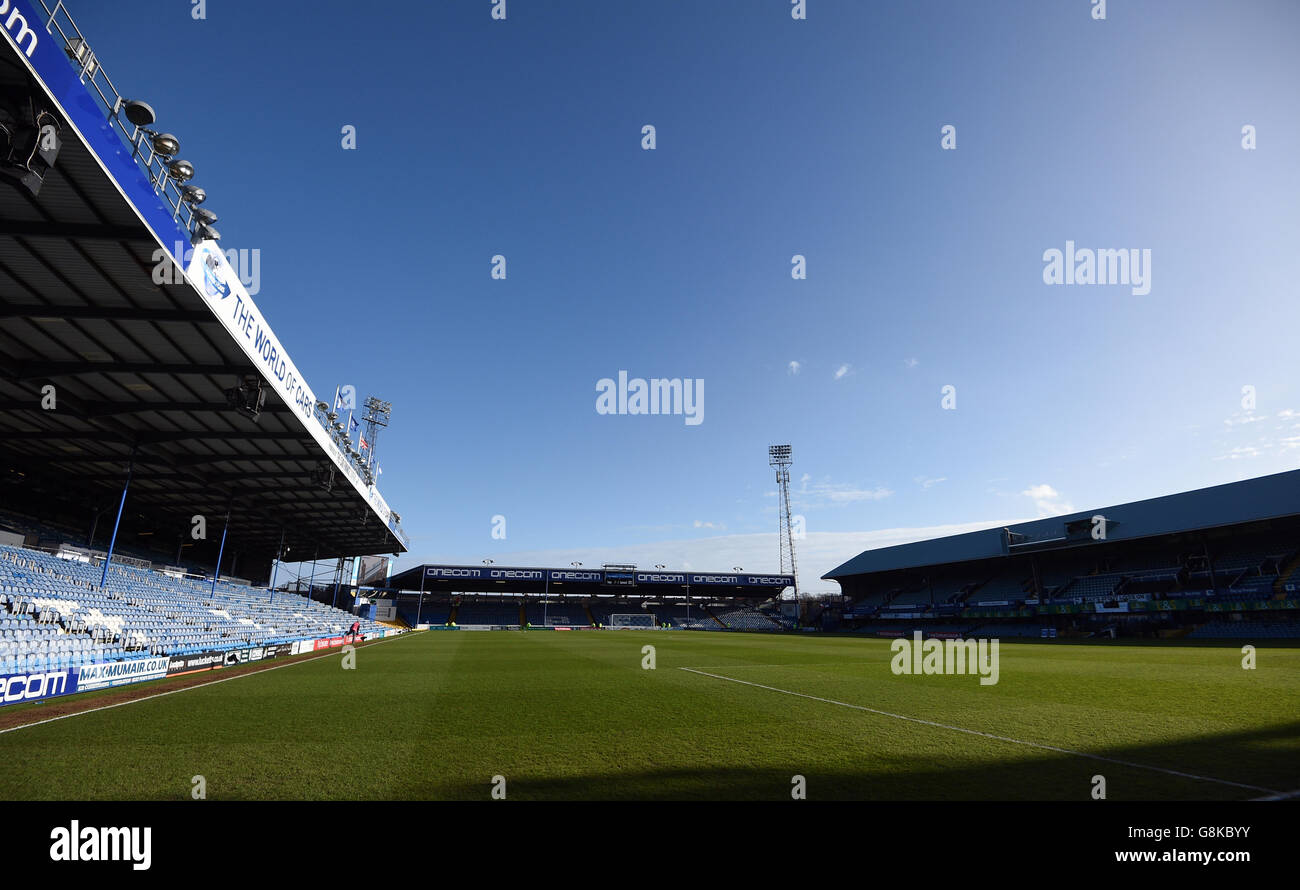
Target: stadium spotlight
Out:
[193,195]
[205,217]
[737,569]
[140,114]
[575,564]
[164,144]
[488,562]
[30,139]
[248,398]
[659,565]
[206,233]
[324,407]
[180,171]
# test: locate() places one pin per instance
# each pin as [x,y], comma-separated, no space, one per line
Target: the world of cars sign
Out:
[217,282]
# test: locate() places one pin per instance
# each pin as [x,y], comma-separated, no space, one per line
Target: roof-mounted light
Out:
[138,113]
[206,233]
[165,144]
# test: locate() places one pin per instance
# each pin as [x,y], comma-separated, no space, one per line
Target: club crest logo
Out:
[212,280]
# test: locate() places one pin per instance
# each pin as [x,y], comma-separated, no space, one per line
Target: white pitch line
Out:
[185,689]
[1285,795]
[987,735]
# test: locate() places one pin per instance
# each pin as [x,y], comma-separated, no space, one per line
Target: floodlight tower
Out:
[780,457]
[377,414]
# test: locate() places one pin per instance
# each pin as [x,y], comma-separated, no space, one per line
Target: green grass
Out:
[574,716]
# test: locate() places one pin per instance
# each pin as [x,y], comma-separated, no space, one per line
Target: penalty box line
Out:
[987,735]
[187,688]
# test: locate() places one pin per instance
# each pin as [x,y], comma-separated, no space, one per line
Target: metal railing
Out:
[91,73]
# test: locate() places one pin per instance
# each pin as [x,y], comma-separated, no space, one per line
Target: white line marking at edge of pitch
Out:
[987,735]
[187,689]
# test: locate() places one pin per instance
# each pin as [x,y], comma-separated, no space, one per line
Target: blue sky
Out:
[775,137]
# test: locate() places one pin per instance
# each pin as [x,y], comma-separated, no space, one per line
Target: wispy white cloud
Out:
[1047,500]
[911,362]
[1244,417]
[928,482]
[842,371]
[1240,452]
[810,495]
[794,367]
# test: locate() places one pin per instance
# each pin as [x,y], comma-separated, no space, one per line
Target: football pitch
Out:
[577,715]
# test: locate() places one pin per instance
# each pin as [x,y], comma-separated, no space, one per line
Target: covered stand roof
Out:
[1266,498]
[111,355]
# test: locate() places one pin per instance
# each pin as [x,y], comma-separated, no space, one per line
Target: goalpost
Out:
[639,620]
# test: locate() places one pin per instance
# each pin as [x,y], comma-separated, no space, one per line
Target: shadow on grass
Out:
[1260,758]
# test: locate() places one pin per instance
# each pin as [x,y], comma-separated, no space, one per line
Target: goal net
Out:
[633,619]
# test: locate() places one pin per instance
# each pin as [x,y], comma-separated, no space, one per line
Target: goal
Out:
[643,620]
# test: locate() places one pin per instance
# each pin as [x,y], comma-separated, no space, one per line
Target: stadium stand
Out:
[582,598]
[170,416]
[677,615]
[746,618]
[557,614]
[601,610]
[55,616]
[495,614]
[430,614]
[1201,563]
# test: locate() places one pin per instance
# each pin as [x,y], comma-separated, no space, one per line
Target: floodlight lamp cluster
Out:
[780,455]
[165,148]
[334,427]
